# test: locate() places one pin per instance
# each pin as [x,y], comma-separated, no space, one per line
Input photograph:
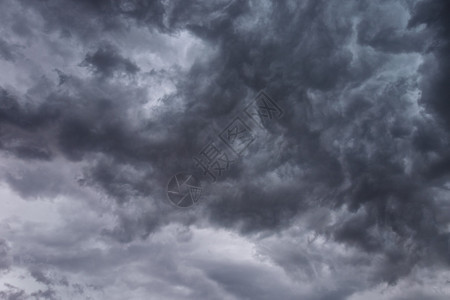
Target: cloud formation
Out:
[344,197]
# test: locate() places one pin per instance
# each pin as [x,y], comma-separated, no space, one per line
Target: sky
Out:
[225,149]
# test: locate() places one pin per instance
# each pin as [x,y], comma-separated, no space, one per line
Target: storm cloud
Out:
[345,195]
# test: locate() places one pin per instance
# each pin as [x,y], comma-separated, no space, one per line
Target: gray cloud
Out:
[103,117]
[107,61]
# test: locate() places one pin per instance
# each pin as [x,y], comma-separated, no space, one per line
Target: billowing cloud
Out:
[344,195]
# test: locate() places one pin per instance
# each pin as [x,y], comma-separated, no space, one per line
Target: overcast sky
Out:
[343,194]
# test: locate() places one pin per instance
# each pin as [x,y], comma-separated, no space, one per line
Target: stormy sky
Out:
[343,194]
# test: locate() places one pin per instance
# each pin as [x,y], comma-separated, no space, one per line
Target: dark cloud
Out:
[47,294]
[13,293]
[5,259]
[39,276]
[363,137]
[7,52]
[433,14]
[106,61]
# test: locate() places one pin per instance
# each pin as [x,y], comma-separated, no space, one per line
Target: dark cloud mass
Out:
[106,61]
[346,196]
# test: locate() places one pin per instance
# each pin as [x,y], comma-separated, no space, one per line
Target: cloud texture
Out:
[346,196]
